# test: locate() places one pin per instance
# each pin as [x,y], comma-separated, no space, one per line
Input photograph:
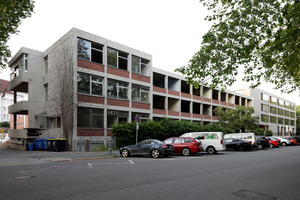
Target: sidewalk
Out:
[11,157]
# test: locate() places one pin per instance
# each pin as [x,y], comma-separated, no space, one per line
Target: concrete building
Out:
[83,84]
[276,113]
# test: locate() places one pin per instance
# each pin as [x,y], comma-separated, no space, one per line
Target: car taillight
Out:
[221,141]
[164,146]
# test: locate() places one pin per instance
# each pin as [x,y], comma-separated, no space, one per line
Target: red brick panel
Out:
[183,114]
[90,65]
[90,132]
[158,89]
[174,113]
[197,97]
[139,77]
[206,117]
[117,102]
[118,72]
[172,92]
[145,106]
[230,104]
[90,99]
[215,118]
[159,111]
[109,132]
[196,115]
[223,103]
[207,99]
[216,101]
[186,95]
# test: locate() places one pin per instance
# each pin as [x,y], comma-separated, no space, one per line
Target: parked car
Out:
[152,147]
[294,142]
[284,141]
[262,142]
[297,139]
[184,145]
[212,142]
[237,144]
[273,142]
[250,137]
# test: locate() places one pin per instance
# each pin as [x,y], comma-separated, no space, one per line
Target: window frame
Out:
[118,87]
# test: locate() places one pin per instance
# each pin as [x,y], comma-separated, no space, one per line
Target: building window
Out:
[280,102]
[89,118]
[264,97]
[117,59]
[273,110]
[280,111]
[46,65]
[286,104]
[273,119]
[292,115]
[273,100]
[264,118]
[286,113]
[286,121]
[139,65]
[117,89]
[46,91]
[144,117]
[292,122]
[89,51]
[114,117]
[25,62]
[292,106]
[89,84]
[140,93]
[280,120]
[264,108]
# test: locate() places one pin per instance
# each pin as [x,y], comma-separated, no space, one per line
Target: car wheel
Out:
[271,145]
[125,153]
[259,146]
[155,153]
[185,152]
[284,144]
[211,150]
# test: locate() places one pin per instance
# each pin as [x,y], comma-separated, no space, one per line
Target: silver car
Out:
[284,141]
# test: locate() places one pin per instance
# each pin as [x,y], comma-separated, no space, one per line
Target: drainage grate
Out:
[21,177]
[253,195]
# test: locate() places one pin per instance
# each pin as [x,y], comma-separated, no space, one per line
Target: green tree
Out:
[11,13]
[239,119]
[298,120]
[260,37]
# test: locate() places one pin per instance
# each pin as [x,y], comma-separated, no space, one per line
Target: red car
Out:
[273,143]
[184,145]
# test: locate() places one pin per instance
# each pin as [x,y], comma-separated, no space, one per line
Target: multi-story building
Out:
[276,113]
[83,84]
[7,99]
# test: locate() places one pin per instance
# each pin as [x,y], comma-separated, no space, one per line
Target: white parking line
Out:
[131,162]
[90,164]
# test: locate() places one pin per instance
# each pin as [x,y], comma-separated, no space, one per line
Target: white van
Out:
[251,137]
[212,142]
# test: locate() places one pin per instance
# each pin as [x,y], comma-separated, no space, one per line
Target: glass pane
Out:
[135,94]
[111,88]
[145,96]
[123,93]
[83,117]
[97,120]
[122,63]
[96,78]
[111,120]
[97,56]
[83,49]
[112,56]
[135,66]
[96,88]
[83,83]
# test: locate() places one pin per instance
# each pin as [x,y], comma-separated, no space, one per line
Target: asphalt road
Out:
[266,174]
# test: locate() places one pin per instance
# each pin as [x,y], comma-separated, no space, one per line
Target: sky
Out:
[169,30]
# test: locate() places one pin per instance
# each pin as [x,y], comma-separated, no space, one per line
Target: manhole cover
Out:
[21,177]
[253,195]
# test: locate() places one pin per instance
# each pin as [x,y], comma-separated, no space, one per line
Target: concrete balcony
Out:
[19,82]
[19,108]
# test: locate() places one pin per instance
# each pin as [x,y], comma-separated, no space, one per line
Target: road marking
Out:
[90,164]
[131,162]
